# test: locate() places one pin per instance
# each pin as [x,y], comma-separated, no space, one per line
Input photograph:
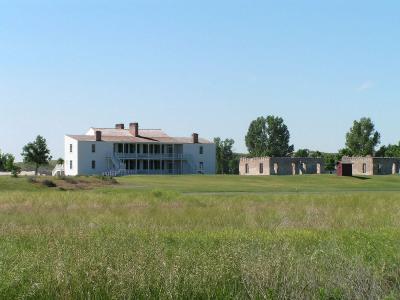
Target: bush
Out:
[48,183]
[109,179]
[31,179]
[15,171]
[70,180]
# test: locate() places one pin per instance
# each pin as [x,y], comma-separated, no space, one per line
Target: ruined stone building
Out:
[373,165]
[281,166]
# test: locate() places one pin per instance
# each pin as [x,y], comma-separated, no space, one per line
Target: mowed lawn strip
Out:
[170,238]
[229,183]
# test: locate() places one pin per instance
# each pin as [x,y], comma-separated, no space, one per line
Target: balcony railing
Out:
[115,173]
[166,156]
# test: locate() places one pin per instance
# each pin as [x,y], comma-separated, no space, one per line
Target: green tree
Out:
[330,161]
[233,164]
[344,152]
[362,138]
[7,162]
[389,151]
[1,161]
[316,154]
[60,161]
[225,156]
[268,137]
[302,153]
[37,153]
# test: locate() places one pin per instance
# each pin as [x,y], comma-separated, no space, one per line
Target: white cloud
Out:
[366,85]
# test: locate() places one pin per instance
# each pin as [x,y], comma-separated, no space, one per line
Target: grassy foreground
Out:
[299,237]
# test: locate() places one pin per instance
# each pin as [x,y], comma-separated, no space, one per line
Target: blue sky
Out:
[204,66]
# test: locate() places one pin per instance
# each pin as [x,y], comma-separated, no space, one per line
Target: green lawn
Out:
[289,237]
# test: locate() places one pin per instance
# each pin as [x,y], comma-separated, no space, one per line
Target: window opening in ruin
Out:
[276,168]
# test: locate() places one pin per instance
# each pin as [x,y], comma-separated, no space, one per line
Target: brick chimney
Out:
[98,135]
[119,126]
[195,138]
[134,129]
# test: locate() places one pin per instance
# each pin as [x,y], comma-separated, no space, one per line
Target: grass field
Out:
[289,237]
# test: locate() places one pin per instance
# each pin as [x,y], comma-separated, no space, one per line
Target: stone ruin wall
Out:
[282,165]
[254,165]
[358,165]
[373,165]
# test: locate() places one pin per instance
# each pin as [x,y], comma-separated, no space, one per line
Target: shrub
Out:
[15,171]
[70,180]
[108,179]
[31,179]
[48,183]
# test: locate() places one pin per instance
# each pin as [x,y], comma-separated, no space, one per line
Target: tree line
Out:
[266,136]
[36,153]
[269,136]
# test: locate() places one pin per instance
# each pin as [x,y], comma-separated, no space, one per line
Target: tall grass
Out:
[123,242]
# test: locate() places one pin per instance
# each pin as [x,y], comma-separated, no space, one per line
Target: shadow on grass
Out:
[361,177]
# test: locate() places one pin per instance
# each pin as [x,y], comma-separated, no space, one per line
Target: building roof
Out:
[145,136]
[125,132]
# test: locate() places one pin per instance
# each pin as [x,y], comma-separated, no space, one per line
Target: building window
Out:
[120,148]
[201,150]
[379,168]
[131,164]
[246,168]
[132,148]
[70,147]
[162,149]
[152,165]
[170,149]
[93,148]
[201,165]
[138,148]
[157,149]
[364,168]
[70,164]
[145,148]
[93,164]
[145,164]
[261,168]
[151,149]
[126,148]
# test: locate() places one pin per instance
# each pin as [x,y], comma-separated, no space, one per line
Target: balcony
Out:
[161,156]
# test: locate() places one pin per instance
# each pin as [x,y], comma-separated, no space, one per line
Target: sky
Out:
[198,66]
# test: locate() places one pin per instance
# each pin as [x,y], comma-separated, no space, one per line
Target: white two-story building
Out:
[119,151]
